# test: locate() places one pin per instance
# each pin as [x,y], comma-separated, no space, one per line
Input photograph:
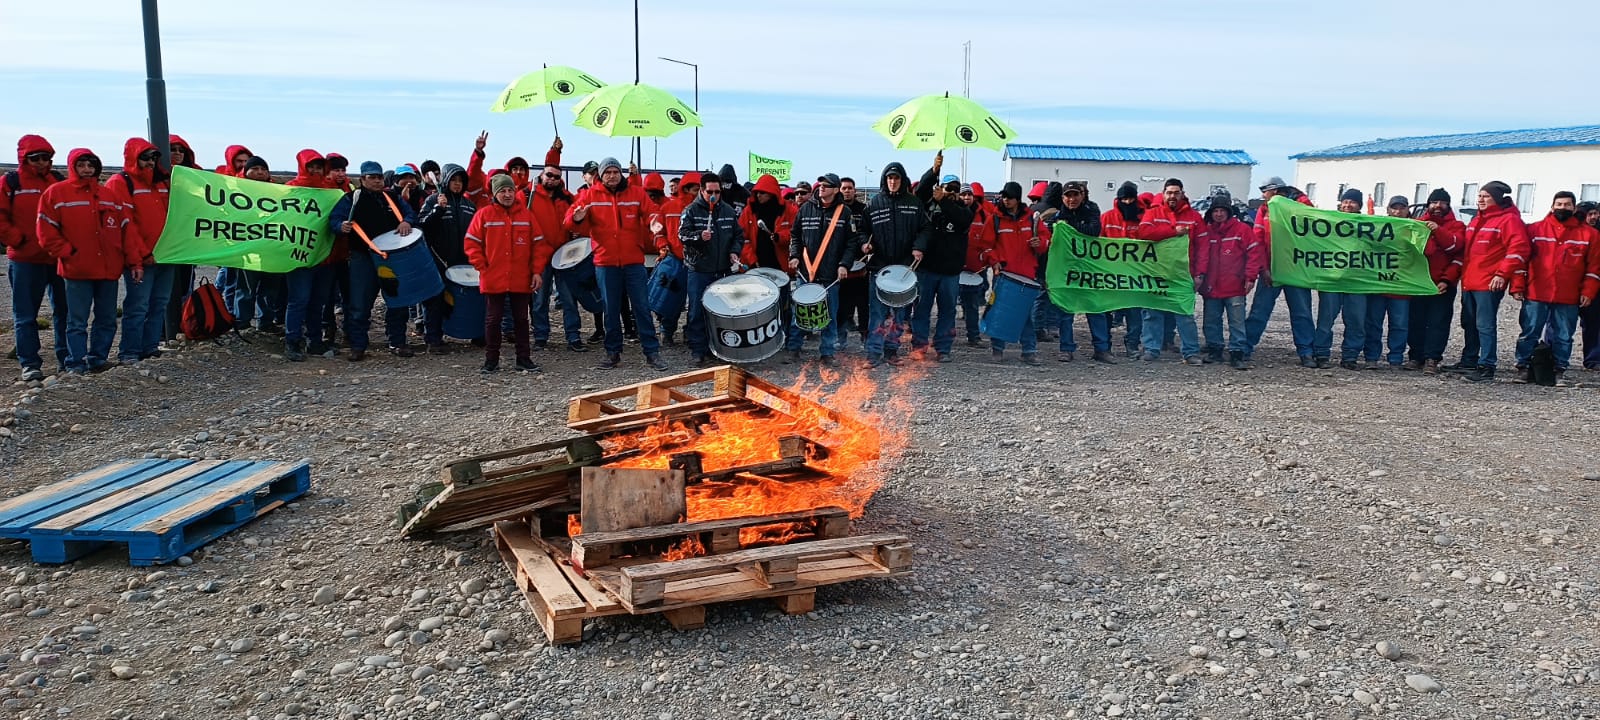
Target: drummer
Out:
[370,211]
[712,243]
[894,219]
[444,219]
[822,249]
[768,224]
[974,282]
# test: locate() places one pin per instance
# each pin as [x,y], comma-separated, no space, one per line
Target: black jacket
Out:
[810,226]
[369,210]
[710,256]
[893,221]
[1086,219]
[943,241]
[445,226]
[732,191]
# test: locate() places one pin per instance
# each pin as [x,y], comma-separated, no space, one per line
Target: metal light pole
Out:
[696,104]
[155,87]
[966,91]
[638,142]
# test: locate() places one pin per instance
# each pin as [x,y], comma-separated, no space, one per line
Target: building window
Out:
[1422,194]
[1524,196]
[1469,195]
[1311,191]
[1380,195]
[1589,192]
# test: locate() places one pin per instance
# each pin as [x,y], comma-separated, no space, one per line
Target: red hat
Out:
[767,184]
[977,190]
[1037,193]
[654,181]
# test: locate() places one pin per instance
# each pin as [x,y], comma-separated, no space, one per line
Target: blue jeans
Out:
[1213,312]
[1398,311]
[248,286]
[943,291]
[1330,306]
[1155,325]
[358,305]
[695,333]
[1480,334]
[144,312]
[615,283]
[1430,324]
[227,282]
[828,336]
[89,347]
[972,307]
[541,309]
[1135,320]
[1099,331]
[1301,325]
[578,289]
[29,283]
[1561,319]
[885,325]
[306,290]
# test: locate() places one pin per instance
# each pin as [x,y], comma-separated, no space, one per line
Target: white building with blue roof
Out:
[1536,163]
[1203,172]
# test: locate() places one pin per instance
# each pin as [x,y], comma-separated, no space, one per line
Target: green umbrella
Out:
[634,111]
[546,86]
[940,122]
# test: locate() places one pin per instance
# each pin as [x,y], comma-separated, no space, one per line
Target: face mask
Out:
[1563,215]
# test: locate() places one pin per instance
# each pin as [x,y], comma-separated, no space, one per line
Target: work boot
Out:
[1212,356]
[357,355]
[944,357]
[1349,365]
[292,351]
[489,366]
[1103,356]
[1031,359]
[317,347]
[1460,367]
[997,355]
[877,361]
[1524,375]
[1306,361]
[975,342]
[1193,360]
[577,346]
[1481,375]
[829,360]
[1431,367]
[1324,363]
[526,365]
[1412,365]
[655,362]
[438,349]
[1065,356]
[611,362]
[1236,360]
[401,351]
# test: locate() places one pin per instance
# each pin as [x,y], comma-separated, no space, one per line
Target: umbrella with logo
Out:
[634,111]
[941,122]
[545,87]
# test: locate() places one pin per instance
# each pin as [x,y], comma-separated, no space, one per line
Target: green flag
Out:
[232,222]
[778,169]
[1095,275]
[1341,252]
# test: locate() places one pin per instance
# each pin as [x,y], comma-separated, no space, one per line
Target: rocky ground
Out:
[1139,541]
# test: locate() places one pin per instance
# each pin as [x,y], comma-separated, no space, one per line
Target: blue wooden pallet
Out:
[161,508]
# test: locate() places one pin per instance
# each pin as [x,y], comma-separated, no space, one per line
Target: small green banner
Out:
[1095,275]
[232,222]
[778,169]
[1342,252]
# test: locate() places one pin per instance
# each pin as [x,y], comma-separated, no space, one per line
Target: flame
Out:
[858,456]
[688,548]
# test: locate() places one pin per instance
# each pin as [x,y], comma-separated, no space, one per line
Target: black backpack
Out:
[13,181]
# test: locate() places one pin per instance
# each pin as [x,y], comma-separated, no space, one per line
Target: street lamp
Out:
[696,105]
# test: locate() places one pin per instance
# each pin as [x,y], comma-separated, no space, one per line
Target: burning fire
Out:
[855,462]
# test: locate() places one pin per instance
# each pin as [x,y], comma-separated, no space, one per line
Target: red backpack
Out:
[204,314]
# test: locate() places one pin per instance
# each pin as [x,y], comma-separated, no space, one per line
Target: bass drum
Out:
[743,318]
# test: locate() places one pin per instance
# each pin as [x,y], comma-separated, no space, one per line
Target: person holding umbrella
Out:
[618,217]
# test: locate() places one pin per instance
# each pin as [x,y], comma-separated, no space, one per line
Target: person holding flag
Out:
[1431,314]
[1302,324]
[1331,305]
[1122,221]
[1396,309]
[1173,217]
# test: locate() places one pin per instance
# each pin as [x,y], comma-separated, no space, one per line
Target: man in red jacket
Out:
[620,219]
[30,267]
[1122,221]
[1228,260]
[1496,248]
[142,190]
[503,242]
[1017,249]
[235,157]
[1562,275]
[1431,314]
[1171,218]
[88,232]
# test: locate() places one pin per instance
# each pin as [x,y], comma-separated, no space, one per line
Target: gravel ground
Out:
[1141,541]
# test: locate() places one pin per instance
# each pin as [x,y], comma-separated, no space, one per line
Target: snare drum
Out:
[811,310]
[743,319]
[970,279]
[897,286]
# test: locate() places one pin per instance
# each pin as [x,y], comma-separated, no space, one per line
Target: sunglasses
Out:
[151,156]
[552,176]
[713,192]
[802,192]
[36,157]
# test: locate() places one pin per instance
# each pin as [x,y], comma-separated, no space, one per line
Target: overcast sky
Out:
[399,80]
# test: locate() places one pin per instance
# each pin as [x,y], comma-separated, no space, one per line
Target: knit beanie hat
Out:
[500,182]
[1352,194]
[1127,191]
[1500,191]
[609,162]
[1011,190]
[256,161]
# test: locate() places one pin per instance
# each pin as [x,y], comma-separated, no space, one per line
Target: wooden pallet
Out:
[162,509]
[468,495]
[632,407]
[592,550]
[562,597]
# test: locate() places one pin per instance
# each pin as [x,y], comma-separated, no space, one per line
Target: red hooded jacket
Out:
[503,244]
[1444,248]
[1010,237]
[19,207]
[233,151]
[618,221]
[1565,262]
[671,216]
[551,212]
[781,233]
[1161,222]
[142,196]
[478,182]
[1112,224]
[303,178]
[85,229]
[191,162]
[1229,258]
[1496,246]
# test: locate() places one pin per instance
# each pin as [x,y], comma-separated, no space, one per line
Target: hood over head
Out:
[449,171]
[883,178]
[727,175]
[77,154]
[228,155]
[654,181]
[131,150]
[28,144]
[190,162]
[768,184]
[1039,188]
[304,158]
